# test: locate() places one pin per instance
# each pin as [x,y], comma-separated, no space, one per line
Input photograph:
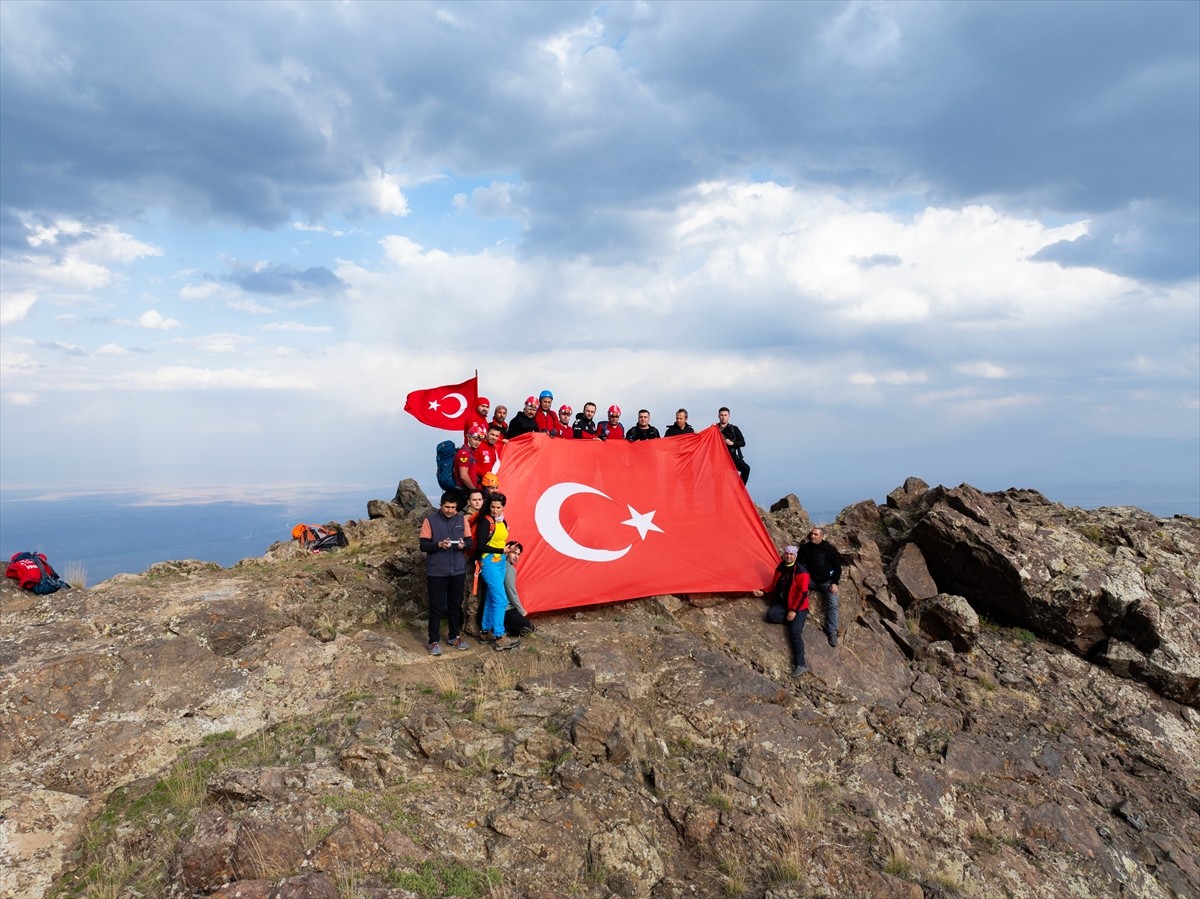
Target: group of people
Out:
[472,544]
[814,565]
[463,541]
[479,455]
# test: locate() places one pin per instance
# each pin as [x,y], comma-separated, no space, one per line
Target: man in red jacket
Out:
[564,428]
[479,416]
[789,604]
[613,427]
[545,418]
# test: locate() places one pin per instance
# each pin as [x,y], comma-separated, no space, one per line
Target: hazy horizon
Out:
[959,241]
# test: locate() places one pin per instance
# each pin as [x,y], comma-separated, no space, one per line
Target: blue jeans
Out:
[495,600]
[831,607]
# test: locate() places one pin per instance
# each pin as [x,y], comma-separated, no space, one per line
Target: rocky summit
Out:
[1011,711]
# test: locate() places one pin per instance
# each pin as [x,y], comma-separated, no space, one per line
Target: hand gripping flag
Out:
[609,521]
[443,407]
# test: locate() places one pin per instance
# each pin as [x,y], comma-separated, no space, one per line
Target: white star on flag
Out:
[643,521]
[433,404]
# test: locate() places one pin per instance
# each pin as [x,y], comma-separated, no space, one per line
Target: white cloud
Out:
[14,306]
[189,378]
[244,304]
[982,369]
[21,399]
[153,320]
[499,199]
[113,349]
[297,326]
[218,343]
[202,291]
[320,229]
[386,194]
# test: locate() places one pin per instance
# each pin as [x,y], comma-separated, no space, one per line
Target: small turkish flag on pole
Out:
[608,521]
[443,407]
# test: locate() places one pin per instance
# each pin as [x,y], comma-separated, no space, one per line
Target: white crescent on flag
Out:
[546,516]
[462,404]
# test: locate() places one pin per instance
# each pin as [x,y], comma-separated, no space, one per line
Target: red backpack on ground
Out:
[33,571]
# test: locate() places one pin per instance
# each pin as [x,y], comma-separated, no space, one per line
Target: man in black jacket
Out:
[734,441]
[824,565]
[525,423]
[643,430]
[446,543]
[681,425]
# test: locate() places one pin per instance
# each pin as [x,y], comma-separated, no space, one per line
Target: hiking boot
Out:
[799,670]
[486,637]
[435,648]
[505,642]
[458,643]
[833,640]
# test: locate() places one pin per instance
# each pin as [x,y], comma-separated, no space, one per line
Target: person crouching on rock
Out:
[493,544]
[516,619]
[789,604]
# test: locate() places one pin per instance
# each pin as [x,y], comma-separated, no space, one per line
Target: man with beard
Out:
[524,423]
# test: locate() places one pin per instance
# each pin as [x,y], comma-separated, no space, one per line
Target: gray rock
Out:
[947,617]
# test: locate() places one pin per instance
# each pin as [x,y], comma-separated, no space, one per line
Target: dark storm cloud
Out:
[1152,244]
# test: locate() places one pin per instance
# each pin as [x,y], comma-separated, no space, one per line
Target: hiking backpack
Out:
[445,465]
[33,571]
[319,539]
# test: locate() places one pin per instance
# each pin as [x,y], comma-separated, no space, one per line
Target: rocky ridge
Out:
[1012,712]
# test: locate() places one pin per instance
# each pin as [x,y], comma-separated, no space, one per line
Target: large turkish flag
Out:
[603,521]
[444,407]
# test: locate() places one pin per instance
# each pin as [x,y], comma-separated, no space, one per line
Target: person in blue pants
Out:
[493,544]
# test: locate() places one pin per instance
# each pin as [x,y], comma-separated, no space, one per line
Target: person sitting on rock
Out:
[465,470]
[516,619]
[824,564]
[789,604]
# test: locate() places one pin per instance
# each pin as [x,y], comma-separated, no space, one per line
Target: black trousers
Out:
[445,601]
[777,614]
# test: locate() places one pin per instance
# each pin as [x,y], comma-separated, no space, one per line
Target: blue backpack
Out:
[445,465]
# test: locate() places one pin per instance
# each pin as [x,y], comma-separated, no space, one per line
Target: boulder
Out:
[410,498]
[947,617]
[1078,579]
[910,577]
[378,508]
[908,495]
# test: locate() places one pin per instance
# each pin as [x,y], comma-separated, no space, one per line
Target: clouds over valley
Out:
[960,241]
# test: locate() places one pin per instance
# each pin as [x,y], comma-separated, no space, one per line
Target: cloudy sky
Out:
[953,240]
